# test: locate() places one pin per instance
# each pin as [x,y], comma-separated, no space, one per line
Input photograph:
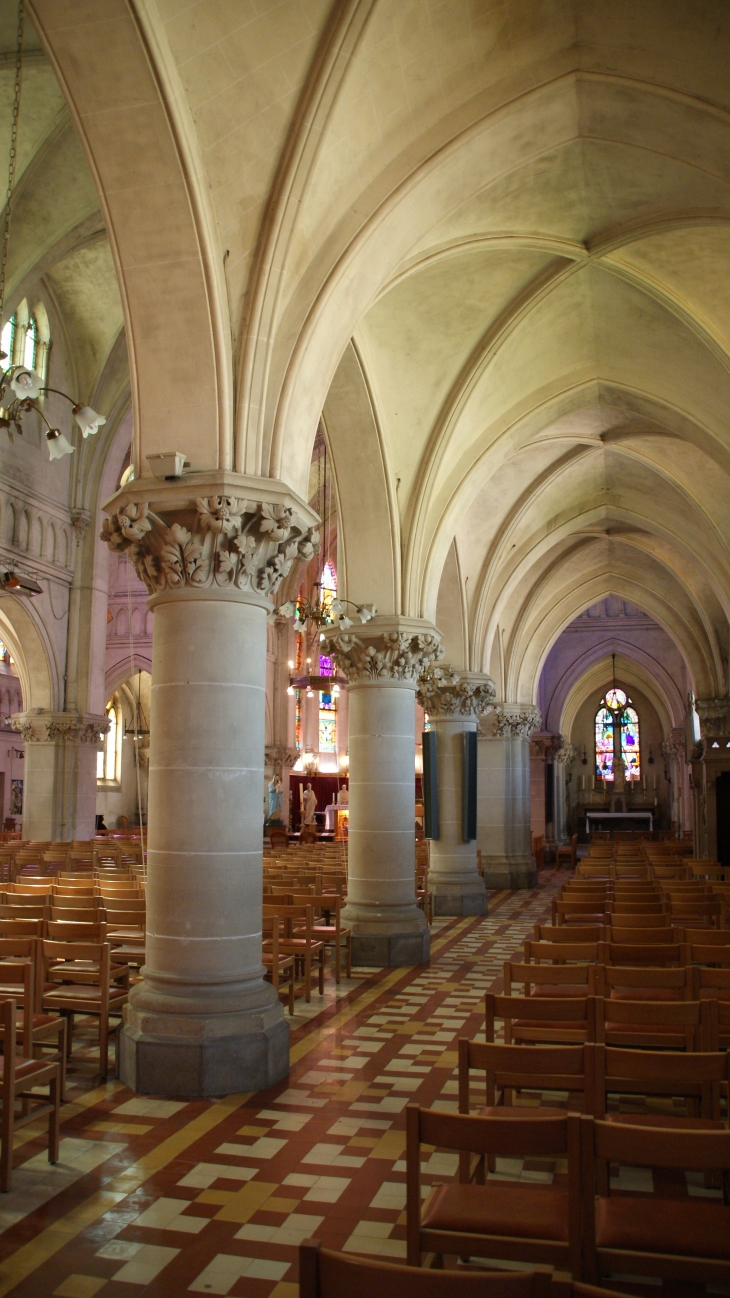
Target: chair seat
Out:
[82,992]
[569,1025]
[715,993]
[554,991]
[520,1110]
[499,1209]
[674,1226]
[645,994]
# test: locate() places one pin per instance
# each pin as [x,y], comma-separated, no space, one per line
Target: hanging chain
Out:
[13,157]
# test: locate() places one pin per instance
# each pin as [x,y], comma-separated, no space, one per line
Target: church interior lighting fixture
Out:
[21,388]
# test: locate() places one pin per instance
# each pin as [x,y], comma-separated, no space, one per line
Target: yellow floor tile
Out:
[245,1202]
[80,1286]
[131,1128]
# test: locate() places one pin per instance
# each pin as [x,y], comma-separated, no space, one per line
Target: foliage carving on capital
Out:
[443,692]
[714,715]
[521,724]
[399,655]
[49,728]
[567,754]
[280,757]
[221,541]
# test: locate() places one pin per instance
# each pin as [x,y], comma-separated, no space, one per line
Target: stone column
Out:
[503,815]
[564,759]
[673,752]
[59,776]
[713,753]
[382,663]
[454,702]
[203,1021]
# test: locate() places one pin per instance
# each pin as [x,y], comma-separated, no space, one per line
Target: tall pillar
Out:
[382,663]
[503,806]
[454,702]
[714,760]
[59,776]
[564,759]
[203,1021]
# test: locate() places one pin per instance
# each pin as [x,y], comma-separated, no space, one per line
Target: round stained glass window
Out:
[616,699]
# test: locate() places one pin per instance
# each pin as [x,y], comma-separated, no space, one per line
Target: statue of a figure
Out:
[276,788]
[309,805]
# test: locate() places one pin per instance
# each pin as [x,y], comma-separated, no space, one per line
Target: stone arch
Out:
[23,633]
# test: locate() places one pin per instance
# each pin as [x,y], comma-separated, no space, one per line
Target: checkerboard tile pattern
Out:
[159,1197]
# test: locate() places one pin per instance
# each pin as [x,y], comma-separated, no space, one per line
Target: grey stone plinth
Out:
[390,949]
[200,1067]
[505,872]
[459,903]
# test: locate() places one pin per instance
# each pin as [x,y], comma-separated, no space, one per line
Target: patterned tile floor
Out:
[158,1197]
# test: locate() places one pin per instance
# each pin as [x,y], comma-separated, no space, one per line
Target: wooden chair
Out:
[579,912]
[21,1077]
[324,1274]
[692,913]
[276,964]
[520,1223]
[642,937]
[565,1021]
[75,990]
[18,978]
[654,955]
[298,940]
[329,929]
[677,1239]
[667,1025]
[568,853]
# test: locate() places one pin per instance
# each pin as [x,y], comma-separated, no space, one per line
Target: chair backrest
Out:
[325,1274]
[68,931]
[643,936]
[692,1074]
[630,919]
[21,927]
[580,952]
[679,1018]
[125,919]
[505,1136]
[114,902]
[508,1067]
[653,954]
[581,975]
[23,912]
[639,1146]
[569,932]
[78,901]
[539,1009]
[707,936]
[21,975]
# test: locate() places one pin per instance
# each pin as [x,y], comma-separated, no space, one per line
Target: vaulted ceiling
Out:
[488,243]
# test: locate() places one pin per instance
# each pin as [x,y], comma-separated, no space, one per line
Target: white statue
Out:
[344,796]
[276,789]
[309,802]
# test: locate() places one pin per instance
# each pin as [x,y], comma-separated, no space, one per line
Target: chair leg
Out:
[321,971]
[69,1017]
[337,961]
[103,1046]
[6,1145]
[308,976]
[54,1117]
[348,950]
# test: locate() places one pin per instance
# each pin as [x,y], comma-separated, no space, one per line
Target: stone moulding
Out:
[221,541]
[714,715]
[50,727]
[445,693]
[380,655]
[520,724]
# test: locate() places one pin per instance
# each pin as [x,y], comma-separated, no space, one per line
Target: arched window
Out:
[7,338]
[30,345]
[615,719]
[108,759]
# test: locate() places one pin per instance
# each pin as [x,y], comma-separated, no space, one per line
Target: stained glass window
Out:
[604,743]
[326,665]
[31,344]
[6,342]
[617,710]
[107,760]
[327,724]
[630,748]
[329,584]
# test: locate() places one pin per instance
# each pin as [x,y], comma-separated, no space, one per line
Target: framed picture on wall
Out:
[16,797]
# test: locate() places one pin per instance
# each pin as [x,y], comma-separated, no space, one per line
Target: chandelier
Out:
[20,387]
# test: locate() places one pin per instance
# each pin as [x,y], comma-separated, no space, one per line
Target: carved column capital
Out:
[714,715]
[80,519]
[395,650]
[547,745]
[212,532]
[567,754]
[41,727]
[280,757]
[511,721]
[446,693]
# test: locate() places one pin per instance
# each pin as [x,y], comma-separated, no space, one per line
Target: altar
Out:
[619,820]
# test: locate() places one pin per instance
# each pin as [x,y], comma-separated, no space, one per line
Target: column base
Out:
[201,1067]
[509,872]
[451,897]
[393,950]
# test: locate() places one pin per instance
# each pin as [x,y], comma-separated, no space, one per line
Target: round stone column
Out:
[59,773]
[204,1021]
[503,803]
[454,702]
[382,664]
